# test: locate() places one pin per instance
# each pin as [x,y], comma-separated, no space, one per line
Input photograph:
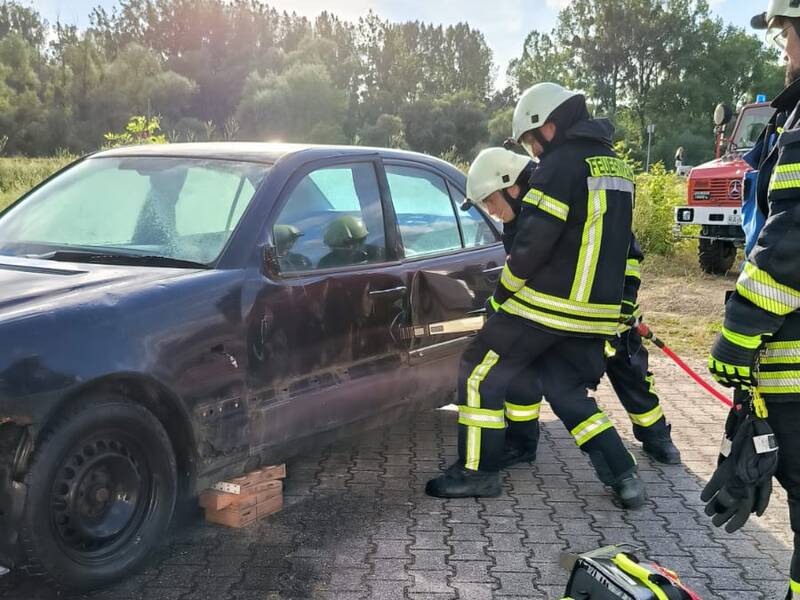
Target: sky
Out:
[504,23]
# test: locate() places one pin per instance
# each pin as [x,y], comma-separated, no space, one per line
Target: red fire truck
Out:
[715,188]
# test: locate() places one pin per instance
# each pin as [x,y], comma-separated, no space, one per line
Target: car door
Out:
[323,353]
[452,260]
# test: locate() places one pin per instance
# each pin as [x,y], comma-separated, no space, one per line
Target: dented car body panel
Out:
[241,363]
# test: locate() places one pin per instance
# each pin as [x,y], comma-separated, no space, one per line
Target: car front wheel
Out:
[101,492]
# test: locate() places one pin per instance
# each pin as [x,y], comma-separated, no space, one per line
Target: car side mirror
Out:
[722,114]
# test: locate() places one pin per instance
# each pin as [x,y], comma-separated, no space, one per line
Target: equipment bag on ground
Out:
[610,574]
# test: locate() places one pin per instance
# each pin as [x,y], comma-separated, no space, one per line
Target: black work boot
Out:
[513,454]
[458,482]
[661,449]
[630,491]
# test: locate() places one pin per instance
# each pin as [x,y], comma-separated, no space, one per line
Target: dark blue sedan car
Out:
[174,315]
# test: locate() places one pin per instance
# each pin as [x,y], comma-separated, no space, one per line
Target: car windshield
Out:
[750,124]
[177,208]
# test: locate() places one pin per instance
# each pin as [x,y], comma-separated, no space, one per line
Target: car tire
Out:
[101,492]
[716,257]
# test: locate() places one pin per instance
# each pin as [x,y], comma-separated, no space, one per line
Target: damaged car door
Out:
[322,352]
[451,258]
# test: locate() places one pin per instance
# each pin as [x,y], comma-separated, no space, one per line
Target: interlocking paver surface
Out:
[357,525]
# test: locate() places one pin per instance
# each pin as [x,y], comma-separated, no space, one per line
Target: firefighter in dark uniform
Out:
[758,351]
[506,172]
[558,299]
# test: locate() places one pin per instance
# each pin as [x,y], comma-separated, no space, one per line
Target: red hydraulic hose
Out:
[647,334]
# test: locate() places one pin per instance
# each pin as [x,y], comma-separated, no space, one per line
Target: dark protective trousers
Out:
[784,418]
[629,374]
[566,366]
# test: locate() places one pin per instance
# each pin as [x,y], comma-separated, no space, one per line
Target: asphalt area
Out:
[357,524]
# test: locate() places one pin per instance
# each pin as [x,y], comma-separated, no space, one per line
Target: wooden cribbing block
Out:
[269,507]
[252,507]
[240,501]
[241,485]
[216,500]
[233,517]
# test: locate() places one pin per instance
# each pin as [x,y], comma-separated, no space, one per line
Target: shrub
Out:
[657,194]
[454,158]
[139,130]
[18,174]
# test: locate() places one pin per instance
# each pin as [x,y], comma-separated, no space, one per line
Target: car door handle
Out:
[395,291]
[492,274]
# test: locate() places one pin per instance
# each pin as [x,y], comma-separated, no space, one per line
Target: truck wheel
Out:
[716,257]
[101,492]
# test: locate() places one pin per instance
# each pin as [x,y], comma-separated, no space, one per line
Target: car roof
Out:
[267,153]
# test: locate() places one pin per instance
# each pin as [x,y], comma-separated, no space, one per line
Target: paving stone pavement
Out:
[357,524]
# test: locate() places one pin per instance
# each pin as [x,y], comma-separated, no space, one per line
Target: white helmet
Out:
[492,170]
[536,105]
[775,8]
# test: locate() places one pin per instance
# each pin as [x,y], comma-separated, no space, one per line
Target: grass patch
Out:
[19,174]
[683,305]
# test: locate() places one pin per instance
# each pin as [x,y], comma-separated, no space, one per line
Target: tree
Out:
[24,21]
[293,105]
[458,121]
[387,132]
[542,60]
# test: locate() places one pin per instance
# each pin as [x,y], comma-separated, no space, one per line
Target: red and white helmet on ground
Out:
[536,105]
[492,170]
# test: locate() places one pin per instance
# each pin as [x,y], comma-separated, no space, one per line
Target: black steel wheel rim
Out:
[101,495]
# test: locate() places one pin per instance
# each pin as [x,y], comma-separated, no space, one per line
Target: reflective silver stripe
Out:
[786,176]
[584,434]
[781,352]
[559,211]
[512,412]
[567,306]
[779,383]
[515,308]
[789,302]
[597,204]
[619,184]
[764,291]
[482,418]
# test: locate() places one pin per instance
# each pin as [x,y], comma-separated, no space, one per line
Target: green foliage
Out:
[661,62]
[387,132]
[296,106]
[435,126]
[626,154]
[657,194]
[219,69]
[18,175]
[139,130]
[500,126]
[452,156]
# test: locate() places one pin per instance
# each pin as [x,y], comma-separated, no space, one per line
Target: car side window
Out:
[425,212]
[332,218]
[474,225]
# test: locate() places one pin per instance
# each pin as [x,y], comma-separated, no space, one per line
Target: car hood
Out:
[44,284]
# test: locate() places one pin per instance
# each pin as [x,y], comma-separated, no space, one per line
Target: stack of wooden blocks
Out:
[243,500]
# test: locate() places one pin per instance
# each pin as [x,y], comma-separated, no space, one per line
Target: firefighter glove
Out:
[742,483]
[732,365]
